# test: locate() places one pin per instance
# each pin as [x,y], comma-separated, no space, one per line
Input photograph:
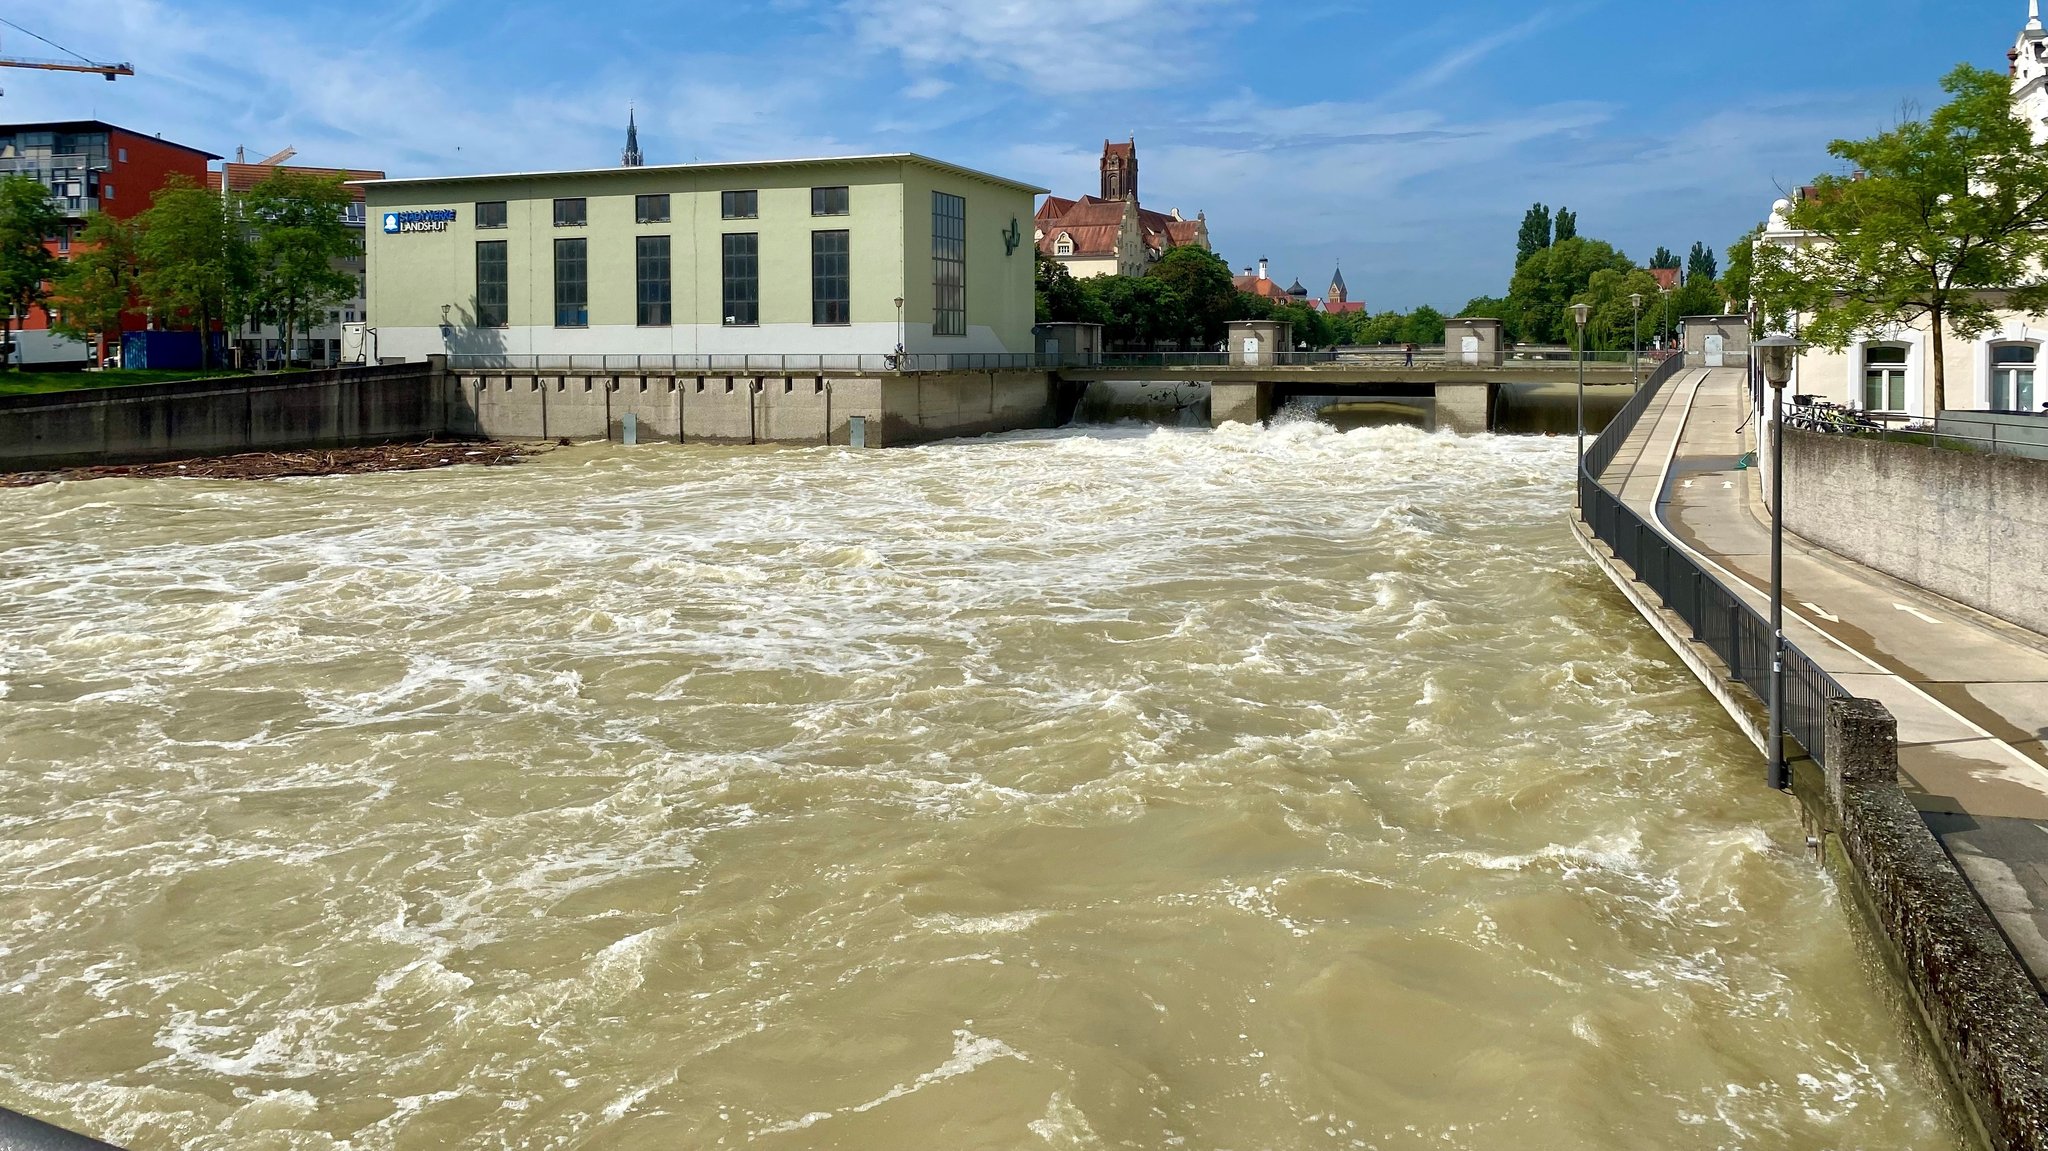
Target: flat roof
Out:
[884,158]
[99,126]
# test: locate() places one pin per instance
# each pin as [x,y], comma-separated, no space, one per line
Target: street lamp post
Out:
[1778,352]
[1666,293]
[900,333]
[1580,314]
[1635,361]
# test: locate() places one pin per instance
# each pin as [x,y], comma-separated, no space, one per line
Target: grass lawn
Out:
[27,383]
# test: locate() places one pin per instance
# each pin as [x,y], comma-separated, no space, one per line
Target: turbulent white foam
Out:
[970,1053]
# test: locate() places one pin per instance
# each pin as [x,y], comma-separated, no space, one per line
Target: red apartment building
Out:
[90,165]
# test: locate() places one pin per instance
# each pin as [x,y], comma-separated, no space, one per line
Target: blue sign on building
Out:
[429,220]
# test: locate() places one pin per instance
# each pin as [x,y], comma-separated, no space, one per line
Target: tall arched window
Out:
[1884,378]
[2012,377]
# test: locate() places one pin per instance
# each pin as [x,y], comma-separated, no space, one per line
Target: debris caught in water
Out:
[279,465]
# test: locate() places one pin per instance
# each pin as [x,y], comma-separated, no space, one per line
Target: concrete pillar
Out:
[438,383]
[1465,408]
[1239,403]
[1862,740]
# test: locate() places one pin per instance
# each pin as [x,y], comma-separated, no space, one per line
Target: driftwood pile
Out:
[277,465]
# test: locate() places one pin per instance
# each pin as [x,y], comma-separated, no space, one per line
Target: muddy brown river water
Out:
[1285,789]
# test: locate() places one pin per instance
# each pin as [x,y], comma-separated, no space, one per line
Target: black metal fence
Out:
[1719,619]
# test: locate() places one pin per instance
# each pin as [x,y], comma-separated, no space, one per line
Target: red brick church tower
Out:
[1120,170]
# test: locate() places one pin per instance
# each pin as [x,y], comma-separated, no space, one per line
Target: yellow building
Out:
[833,256]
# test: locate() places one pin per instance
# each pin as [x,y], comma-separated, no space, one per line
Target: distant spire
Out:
[631,158]
[2033,15]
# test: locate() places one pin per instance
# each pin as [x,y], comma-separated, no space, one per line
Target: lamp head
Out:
[899,303]
[1779,351]
[1581,313]
[1636,298]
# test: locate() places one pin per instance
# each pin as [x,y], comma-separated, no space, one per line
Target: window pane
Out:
[742,276]
[570,213]
[831,201]
[1884,354]
[949,265]
[740,205]
[490,214]
[572,283]
[492,308]
[2013,354]
[651,257]
[651,209]
[831,278]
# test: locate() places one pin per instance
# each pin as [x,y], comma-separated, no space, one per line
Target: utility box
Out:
[1471,342]
[355,343]
[1260,343]
[1075,345]
[1716,341]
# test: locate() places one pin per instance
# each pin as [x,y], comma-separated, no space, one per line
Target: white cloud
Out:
[1048,46]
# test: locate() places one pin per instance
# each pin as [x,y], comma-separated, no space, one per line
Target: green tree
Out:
[1424,325]
[1697,297]
[1665,259]
[1311,327]
[95,288]
[1551,280]
[195,262]
[28,218]
[1567,226]
[1060,298]
[1741,269]
[1946,221]
[1135,310]
[300,237]
[1535,234]
[1486,307]
[1700,264]
[1612,324]
[1205,286]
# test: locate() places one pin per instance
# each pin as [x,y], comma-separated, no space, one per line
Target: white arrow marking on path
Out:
[1815,609]
[1688,483]
[1920,615]
[1727,483]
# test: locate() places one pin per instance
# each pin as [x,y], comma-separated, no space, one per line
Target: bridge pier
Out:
[1466,409]
[1239,403]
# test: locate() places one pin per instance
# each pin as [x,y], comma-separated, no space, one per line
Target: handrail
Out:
[1720,619]
[777,363]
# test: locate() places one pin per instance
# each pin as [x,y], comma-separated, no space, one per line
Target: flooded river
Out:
[1133,788]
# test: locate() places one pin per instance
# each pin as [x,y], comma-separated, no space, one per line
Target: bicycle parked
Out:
[1813,414]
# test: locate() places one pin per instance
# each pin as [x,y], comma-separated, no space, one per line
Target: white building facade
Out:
[1889,370]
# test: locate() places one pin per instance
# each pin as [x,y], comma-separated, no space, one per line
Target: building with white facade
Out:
[1889,370]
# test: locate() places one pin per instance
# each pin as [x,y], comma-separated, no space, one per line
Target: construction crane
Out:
[76,64]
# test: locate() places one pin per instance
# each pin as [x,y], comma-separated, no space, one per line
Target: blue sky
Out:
[1404,139]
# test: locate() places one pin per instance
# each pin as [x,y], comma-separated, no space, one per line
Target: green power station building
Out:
[857,256]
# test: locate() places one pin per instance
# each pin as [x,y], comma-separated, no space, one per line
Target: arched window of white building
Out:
[1884,377]
[2012,377]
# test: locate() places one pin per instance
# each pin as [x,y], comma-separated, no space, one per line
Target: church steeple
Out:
[631,157]
[1339,294]
[1120,170]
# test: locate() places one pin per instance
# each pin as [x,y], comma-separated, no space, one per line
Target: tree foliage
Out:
[195,268]
[28,217]
[1616,322]
[1665,259]
[97,286]
[1735,284]
[1206,289]
[299,237]
[1551,281]
[1535,234]
[1567,226]
[1946,222]
[1700,263]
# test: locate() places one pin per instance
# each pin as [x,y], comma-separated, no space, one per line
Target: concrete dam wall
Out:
[354,406]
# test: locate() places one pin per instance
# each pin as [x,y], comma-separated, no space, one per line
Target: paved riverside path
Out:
[1970,692]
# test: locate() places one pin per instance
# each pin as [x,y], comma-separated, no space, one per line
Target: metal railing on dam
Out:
[1717,617]
[797,363]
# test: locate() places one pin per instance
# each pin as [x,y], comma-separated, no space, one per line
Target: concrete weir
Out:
[353,406]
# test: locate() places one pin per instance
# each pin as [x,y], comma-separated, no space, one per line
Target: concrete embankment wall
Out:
[146,423]
[1983,1015]
[149,422]
[1971,526]
[746,409]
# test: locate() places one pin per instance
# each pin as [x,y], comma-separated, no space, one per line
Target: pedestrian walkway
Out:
[1970,692]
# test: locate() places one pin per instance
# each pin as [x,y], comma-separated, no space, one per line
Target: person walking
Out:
[1408,355]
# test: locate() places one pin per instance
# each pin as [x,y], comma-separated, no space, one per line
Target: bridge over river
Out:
[1455,397]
